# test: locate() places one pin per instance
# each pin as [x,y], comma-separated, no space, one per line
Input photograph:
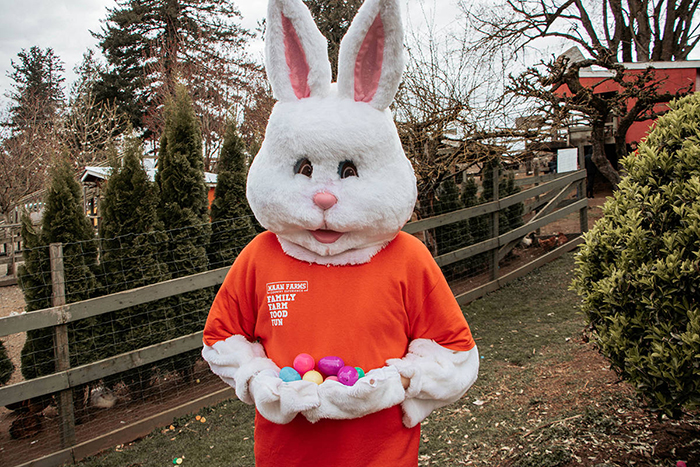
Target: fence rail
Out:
[553,199]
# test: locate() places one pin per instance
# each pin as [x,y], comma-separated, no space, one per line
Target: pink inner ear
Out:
[368,65]
[296,60]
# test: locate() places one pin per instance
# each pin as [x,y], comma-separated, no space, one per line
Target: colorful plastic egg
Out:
[360,372]
[329,366]
[332,378]
[288,374]
[348,375]
[303,363]
[313,376]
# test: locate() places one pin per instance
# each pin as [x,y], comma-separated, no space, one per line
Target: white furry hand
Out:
[280,402]
[379,389]
[437,376]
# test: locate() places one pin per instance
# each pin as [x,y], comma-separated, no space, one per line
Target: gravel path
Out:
[12,301]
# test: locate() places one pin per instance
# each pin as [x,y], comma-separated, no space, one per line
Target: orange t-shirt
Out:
[365,314]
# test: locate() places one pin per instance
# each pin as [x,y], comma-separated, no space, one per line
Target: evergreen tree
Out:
[478,226]
[151,44]
[6,365]
[510,217]
[63,222]
[129,259]
[36,97]
[456,235]
[231,217]
[333,19]
[183,212]
[38,91]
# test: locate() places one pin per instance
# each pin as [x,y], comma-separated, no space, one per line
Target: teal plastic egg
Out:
[288,374]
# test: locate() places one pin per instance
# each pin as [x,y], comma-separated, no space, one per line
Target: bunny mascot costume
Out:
[333,275]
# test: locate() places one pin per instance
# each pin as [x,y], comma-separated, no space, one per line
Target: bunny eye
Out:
[304,167]
[347,169]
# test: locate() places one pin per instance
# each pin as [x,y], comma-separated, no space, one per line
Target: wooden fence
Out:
[10,252]
[544,203]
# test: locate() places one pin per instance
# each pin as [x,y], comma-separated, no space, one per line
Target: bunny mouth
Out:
[326,236]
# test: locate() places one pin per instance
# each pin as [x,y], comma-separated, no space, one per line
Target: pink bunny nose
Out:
[325,200]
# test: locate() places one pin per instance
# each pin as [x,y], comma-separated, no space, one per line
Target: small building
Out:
[94,177]
[673,77]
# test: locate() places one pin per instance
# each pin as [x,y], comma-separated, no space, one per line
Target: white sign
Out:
[567,160]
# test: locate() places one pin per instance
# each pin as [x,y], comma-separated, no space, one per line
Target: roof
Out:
[95,174]
[602,72]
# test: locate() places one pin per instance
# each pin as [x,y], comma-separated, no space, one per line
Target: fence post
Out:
[582,191]
[12,267]
[494,222]
[61,350]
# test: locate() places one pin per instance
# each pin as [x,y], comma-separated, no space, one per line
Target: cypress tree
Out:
[231,217]
[513,215]
[6,365]
[63,222]
[129,260]
[183,212]
[510,217]
[453,236]
[478,226]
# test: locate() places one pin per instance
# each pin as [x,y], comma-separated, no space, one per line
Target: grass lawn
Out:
[544,398]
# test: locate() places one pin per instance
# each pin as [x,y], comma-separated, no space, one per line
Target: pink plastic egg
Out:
[329,366]
[303,363]
[332,378]
[348,375]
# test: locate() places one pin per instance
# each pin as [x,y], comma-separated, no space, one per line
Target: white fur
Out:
[393,62]
[328,129]
[236,360]
[280,402]
[245,367]
[371,208]
[312,41]
[439,376]
[379,389]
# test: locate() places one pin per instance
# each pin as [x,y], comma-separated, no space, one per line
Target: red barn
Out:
[674,76]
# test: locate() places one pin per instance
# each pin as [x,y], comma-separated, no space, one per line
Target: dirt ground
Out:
[12,302]
[611,428]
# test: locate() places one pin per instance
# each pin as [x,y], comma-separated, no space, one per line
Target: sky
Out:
[65,26]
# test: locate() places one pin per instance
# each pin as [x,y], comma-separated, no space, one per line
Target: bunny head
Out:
[331,179]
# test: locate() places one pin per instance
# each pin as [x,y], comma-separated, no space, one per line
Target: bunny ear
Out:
[296,53]
[371,57]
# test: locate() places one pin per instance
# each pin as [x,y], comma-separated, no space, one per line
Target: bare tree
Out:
[450,113]
[89,128]
[615,30]
[627,30]
[25,156]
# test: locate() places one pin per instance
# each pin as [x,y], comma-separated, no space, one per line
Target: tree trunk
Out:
[599,159]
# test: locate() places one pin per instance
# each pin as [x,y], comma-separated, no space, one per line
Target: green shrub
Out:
[638,270]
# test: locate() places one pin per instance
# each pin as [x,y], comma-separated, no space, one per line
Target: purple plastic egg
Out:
[348,375]
[329,366]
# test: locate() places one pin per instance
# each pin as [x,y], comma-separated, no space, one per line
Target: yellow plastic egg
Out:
[313,376]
